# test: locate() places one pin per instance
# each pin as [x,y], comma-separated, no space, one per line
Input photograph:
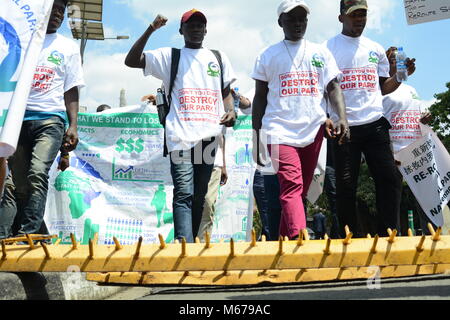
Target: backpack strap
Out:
[173,71]
[219,59]
[173,74]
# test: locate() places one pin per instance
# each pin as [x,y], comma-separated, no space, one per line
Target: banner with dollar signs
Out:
[119,184]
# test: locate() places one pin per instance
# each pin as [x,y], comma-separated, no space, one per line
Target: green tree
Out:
[440,112]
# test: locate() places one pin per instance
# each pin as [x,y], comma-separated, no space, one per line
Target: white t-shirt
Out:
[403,110]
[296,107]
[362,62]
[58,70]
[197,104]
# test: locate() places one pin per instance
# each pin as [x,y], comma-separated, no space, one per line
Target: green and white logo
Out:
[56,58]
[213,69]
[318,61]
[373,57]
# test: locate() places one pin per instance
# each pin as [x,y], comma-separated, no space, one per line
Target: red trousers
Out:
[295,172]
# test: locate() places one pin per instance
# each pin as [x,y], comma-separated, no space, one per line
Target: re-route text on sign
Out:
[420,11]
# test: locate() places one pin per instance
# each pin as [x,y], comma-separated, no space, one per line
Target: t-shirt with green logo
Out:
[58,70]
[297,74]
[197,104]
[362,62]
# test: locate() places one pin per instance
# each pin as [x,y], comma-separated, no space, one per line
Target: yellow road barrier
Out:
[233,256]
[249,277]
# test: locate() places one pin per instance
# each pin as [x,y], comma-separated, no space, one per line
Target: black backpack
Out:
[173,74]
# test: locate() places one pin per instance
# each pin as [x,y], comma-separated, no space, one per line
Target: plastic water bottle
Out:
[402,70]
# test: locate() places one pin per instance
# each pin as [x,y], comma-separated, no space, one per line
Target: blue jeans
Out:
[190,175]
[23,204]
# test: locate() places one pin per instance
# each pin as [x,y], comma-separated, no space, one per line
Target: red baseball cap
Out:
[187,15]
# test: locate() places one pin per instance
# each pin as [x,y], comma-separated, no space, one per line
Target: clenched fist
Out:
[159,21]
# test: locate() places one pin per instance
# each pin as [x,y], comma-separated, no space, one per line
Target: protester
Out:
[365,69]
[43,131]
[404,110]
[289,109]
[200,104]
[103,107]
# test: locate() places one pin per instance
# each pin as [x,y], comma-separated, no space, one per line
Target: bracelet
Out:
[65,156]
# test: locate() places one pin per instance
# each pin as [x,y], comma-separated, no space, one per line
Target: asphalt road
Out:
[413,288]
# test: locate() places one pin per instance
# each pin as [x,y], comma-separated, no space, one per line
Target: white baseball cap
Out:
[288,5]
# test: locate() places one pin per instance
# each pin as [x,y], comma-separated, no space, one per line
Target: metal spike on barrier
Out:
[305,234]
[74,241]
[431,229]
[392,235]
[369,236]
[327,247]
[347,230]
[253,243]
[280,246]
[263,238]
[300,240]
[197,240]
[348,239]
[286,238]
[30,241]
[437,235]
[91,249]
[3,250]
[410,232]
[47,253]
[325,237]
[117,243]
[207,240]
[232,253]
[419,247]
[95,238]
[183,248]
[373,250]
[138,247]
[161,242]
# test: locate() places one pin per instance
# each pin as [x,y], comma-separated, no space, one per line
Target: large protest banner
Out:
[425,166]
[119,184]
[420,11]
[23,25]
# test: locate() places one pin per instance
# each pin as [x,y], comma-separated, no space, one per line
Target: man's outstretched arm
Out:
[135,57]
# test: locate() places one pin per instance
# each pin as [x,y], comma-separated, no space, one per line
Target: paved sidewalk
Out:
[52,286]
